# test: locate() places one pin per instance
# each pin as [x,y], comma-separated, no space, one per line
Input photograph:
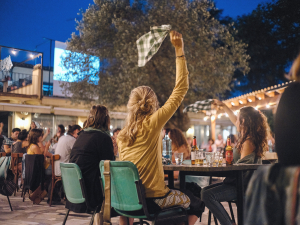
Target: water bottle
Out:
[167,147]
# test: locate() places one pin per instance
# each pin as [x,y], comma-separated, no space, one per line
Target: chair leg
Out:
[24,193]
[216,221]
[209,218]
[66,217]
[231,212]
[9,203]
[51,192]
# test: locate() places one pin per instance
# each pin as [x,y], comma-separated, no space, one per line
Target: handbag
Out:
[4,166]
[8,186]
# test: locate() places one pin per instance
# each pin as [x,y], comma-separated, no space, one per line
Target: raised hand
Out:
[217,102]
[176,39]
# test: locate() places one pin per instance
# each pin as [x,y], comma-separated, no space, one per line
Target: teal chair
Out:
[74,187]
[128,196]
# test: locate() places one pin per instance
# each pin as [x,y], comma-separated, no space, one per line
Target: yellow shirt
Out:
[30,152]
[146,152]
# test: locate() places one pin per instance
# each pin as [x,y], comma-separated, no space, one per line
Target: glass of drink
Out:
[199,158]
[221,160]
[216,159]
[209,158]
[178,158]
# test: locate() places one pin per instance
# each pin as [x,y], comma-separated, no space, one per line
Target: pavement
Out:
[25,213]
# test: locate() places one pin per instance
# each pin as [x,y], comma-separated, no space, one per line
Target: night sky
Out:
[23,24]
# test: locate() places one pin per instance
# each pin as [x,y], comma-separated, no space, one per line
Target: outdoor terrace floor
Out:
[25,213]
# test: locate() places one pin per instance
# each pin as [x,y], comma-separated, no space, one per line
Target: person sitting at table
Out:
[36,148]
[287,120]
[210,146]
[92,145]
[253,131]
[140,141]
[63,149]
[20,146]
[60,133]
[179,144]
[8,142]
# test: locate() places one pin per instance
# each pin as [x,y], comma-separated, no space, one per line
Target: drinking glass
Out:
[178,158]
[209,158]
[199,158]
[216,159]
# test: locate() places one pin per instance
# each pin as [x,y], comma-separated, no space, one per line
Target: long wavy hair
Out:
[178,139]
[34,135]
[254,126]
[142,104]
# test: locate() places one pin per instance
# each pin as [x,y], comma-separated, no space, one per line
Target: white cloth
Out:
[63,148]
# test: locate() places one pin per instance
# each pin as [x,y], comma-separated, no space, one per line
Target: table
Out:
[226,171]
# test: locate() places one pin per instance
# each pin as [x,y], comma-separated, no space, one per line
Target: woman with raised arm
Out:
[141,143]
[251,144]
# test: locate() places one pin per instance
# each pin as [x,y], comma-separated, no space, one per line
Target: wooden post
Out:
[213,126]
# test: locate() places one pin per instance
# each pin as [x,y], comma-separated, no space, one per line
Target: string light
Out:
[31,55]
[249,100]
[232,103]
[13,52]
[213,117]
[226,114]
[219,116]
[268,106]
[256,108]
[205,118]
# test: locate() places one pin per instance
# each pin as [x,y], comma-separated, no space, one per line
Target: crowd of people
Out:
[140,142]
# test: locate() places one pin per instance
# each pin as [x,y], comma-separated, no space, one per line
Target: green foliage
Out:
[272,32]
[109,30]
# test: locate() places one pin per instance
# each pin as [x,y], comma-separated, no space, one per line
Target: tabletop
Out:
[195,168]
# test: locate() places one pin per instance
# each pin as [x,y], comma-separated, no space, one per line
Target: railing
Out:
[18,80]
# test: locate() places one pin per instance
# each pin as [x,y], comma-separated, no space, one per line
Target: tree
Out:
[109,30]
[272,33]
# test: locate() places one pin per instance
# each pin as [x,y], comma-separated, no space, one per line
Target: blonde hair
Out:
[141,104]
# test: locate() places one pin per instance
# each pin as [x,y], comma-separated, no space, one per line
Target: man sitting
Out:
[7,142]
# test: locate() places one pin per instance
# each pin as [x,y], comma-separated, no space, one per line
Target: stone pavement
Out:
[25,213]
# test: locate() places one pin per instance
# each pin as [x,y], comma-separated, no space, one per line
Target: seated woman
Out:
[60,132]
[179,144]
[253,132]
[20,146]
[34,140]
[140,141]
[92,145]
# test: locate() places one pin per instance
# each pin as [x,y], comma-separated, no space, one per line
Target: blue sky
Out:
[23,24]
